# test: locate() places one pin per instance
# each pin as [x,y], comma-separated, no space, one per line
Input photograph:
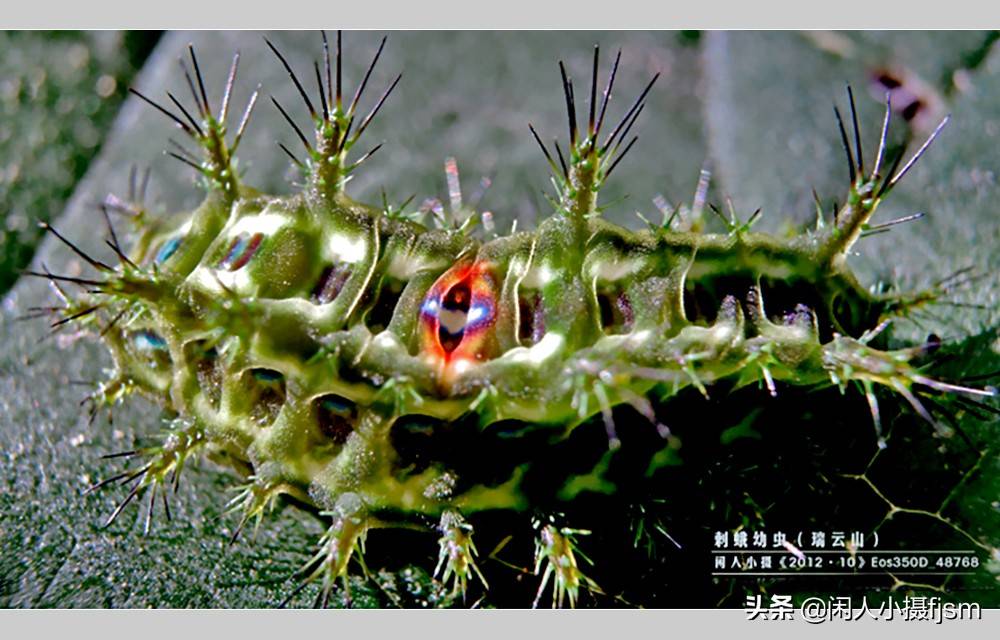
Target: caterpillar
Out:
[391,374]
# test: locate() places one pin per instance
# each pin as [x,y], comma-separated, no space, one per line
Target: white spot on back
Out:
[614,269]
[461,365]
[346,249]
[640,336]
[266,223]
[547,347]
[210,279]
[538,277]
[385,340]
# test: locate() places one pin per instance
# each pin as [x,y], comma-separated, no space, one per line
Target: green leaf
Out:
[58,95]
[777,115]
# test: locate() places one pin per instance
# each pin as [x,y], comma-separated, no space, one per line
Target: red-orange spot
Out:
[457,317]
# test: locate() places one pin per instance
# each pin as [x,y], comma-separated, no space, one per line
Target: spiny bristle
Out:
[367,155]
[885,226]
[628,128]
[378,105]
[326,66]
[180,123]
[620,156]
[227,94]
[133,492]
[345,136]
[593,91]
[857,131]
[880,156]
[206,111]
[562,161]
[76,316]
[193,165]
[545,151]
[607,95]
[149,511]
[956,275]
[340,59]
[97,264]
[190,84]
[113,243]
[71,279]
[166,505]
[364,81]
[570,103]
[726,221]
[886,183]
[295,79]
[191,121]
[183,150]
[322,92]
[639,101]
[122,454]
[295,127]
[299,589]
[113,322]
[39,312]
[847,146]
[920,152]
[106,482]
[291,155]
[245,119]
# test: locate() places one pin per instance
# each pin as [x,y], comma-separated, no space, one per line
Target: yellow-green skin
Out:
[246,353]
[261,317]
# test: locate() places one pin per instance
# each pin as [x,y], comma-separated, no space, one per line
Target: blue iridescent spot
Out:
[267,375]
[479,312]
[430,307]
[335,417]
[168,249]
[149,341]
[337,405]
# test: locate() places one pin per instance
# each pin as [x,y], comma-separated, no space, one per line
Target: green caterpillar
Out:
[304,339]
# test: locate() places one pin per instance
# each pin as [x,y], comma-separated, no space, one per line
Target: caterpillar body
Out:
[304,339]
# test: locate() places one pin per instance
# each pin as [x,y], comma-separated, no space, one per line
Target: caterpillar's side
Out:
[294,336]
